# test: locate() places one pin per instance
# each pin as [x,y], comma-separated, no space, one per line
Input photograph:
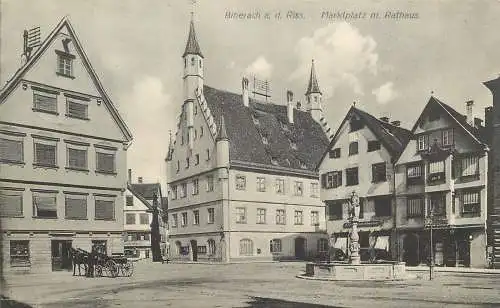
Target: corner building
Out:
[241,173]
[63,149]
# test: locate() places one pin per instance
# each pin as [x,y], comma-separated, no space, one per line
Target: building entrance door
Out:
[194,250]
[410,250]
[300,248]
[61,255]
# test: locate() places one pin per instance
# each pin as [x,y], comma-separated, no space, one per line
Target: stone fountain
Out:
[354,269]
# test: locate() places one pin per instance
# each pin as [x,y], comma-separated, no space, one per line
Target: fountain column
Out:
[354,236]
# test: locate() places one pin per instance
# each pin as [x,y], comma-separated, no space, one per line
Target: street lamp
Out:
[431,252]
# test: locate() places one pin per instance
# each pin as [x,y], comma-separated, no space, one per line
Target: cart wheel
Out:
[98,271]
[128,269]
[112,268]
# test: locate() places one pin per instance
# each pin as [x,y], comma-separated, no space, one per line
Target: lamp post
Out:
[431,252]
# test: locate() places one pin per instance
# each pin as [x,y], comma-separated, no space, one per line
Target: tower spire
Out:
[313,86]
[222,130]
[192,46]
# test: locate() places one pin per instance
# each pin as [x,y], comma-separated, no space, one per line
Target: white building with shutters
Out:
[63,149]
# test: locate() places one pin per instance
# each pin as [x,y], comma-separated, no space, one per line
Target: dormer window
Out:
[65,63]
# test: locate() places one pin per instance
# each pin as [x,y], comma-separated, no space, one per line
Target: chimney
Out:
[385,119]
[289,106]
[244,90]
[130,176]
[468,112]
[139,179]
[396,123]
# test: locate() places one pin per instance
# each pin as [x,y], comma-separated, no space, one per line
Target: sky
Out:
[388,66]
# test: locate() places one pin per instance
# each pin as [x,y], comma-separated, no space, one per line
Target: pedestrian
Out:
[91,263]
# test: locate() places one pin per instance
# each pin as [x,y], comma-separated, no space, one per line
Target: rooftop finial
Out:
[192,46]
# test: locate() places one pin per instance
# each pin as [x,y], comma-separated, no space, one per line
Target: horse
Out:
[79,257]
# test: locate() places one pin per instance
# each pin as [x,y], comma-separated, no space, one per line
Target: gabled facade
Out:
[241,178]
[443,171]
[360,159]
[63,152]
[138,218]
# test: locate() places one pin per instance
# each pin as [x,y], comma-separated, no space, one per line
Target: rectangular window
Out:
[335,153]
[45,154]
[178,167]
[208,154]
[351,176]
[75,206]
[261,216]
[415,207]
[174,192]
[75,109]
[335,210]
[314,218]
[241,182]
[280,186]
[11,151]
[471,204]
[20,253]
[197,159]
[76,159]
[210,183]
[144,219]
[373,145]
[45,102]
[414,174]
[422,142]
[379,173]
[187,162]
[436,171]
[130,218]
[196,217]
[183,190]
[261,184]
[45,205]
[447,137]
[332,179]
[467,166]
[129,200]
[437,203]
[65,64]
[298,218]
[314,190]
[298,188]
[383,206]
[104,209]
[11,203]
[174,220]
[275,246]
[146,237]
[196,186]
[105,162]
[241,215]
[353,148]
[280,217]
[211,215]
[184,219]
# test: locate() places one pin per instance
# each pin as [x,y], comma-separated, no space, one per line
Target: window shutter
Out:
[106,162]
[46,103]
[76,207]
[11,150]
[11,204]
[77,110]
[45,154]
[77,158]
[104,209]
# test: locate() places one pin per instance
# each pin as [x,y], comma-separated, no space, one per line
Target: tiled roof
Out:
[313,86]
[146,190]
[393,137]
[296,146]
[192,46]
[461,119]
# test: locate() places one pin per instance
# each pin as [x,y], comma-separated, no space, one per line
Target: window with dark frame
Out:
[184,218]
[471,203]
[196,186]
[210,183]
[105,162]
[143,219]
[174,221]
[241,215]
[75,206]
[261,216]
[437,202]
[211,215]
[76,158]
[11,203]
[104,209]
[261,184]
[379,172]
[240,182]
[383,206]
[331,179]
[196,217]
[373,145]
[422,142]
[314,218]
[45,204]
[19,253]
[415,207]
[298,217]
[275,246]
[280,217]
[129,200]
[335,210]
[45,154]
[466,166]
[415,174]
[45,102]
[11,151]
[335,153]
[130,218]
[351,175]
[447,137]
[353,148]
[65,63]
[75,109]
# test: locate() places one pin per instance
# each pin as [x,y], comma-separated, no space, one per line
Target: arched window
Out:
[192,61]
[177,248]
[275,245]
[322,245]
[246,247]
[211,247]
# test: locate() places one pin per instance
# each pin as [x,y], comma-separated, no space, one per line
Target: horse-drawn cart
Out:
[103,264]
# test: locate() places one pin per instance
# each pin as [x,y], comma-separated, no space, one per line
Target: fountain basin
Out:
[382,271]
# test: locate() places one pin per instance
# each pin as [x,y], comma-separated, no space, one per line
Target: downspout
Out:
[395,209]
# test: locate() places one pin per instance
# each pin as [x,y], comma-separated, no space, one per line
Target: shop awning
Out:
[341,243]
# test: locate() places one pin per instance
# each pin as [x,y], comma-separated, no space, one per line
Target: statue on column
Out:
[354,237]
